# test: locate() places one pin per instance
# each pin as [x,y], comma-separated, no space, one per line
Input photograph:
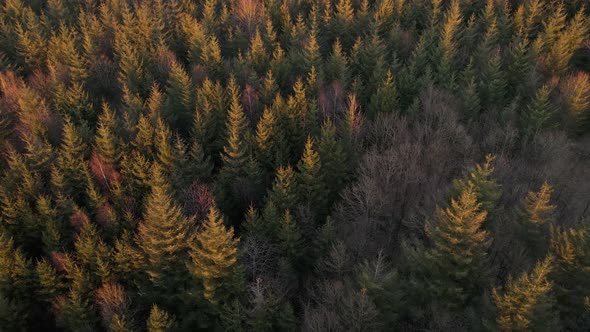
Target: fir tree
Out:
[485,186]
[163,237]
[334,160]
[284,189]
[180,99]
[311,184]
[214,258]
[571,249]
[538,112]
[527,303]
[536,217]
[457,260]
[71,162]
[159,320]
[385,99]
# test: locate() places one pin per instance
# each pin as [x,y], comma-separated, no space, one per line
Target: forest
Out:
[294,165]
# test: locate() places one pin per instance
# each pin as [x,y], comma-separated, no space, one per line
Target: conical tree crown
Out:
[213,254]
[458,256]
[164,233]
[527,304]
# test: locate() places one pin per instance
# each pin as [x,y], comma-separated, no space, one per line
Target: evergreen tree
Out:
[571,249]
[538,112]
[180,99]
[70,161]
[485,186]
[106,142]
[159,320]
[457,261]
[311,185]
[536,217]
[333,161]
[214,258]
[163,237]
[385,99]
[284,189]
[527,303]
[234,155]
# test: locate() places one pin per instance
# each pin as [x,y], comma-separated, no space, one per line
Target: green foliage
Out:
[485,186]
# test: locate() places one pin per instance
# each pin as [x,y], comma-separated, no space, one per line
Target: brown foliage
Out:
[104,173]
[112,300]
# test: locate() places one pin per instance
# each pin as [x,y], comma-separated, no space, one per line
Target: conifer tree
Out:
[16,285]
[214,258]
[457,261]
[70,161]
[159,320]
[485,186]
[527,303]
[180,100]
[571,249]
[576,94]
[284,189]
[385,99]
[106,142]
[266,134]
[234,155]
[447,45]
[538,112]
[334,159]
[311,184]
[536,217]
[290,237]
[163,237]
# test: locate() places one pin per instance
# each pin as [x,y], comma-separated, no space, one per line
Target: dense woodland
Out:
[315,165]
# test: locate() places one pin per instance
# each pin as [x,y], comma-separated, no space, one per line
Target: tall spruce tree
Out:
[163,238]
[214,258]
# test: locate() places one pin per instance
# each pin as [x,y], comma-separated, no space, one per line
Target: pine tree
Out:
[159,320]
[257,54]
[163,237]
[106,142]
[70,161]
[214,258]
[536,217]
[447,46]
[266,134]
[538,112]
[234,155]
[179,99]
[385,99]
[576,94]
[457,261]
[290,236]
[284,189]
[311,184]
[334,160]
[571,275]
[494,88]
[527,303]
[16,285]
[200,166]
[485,186]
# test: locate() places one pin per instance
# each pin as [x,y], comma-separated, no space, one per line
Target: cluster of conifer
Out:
[290,165]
